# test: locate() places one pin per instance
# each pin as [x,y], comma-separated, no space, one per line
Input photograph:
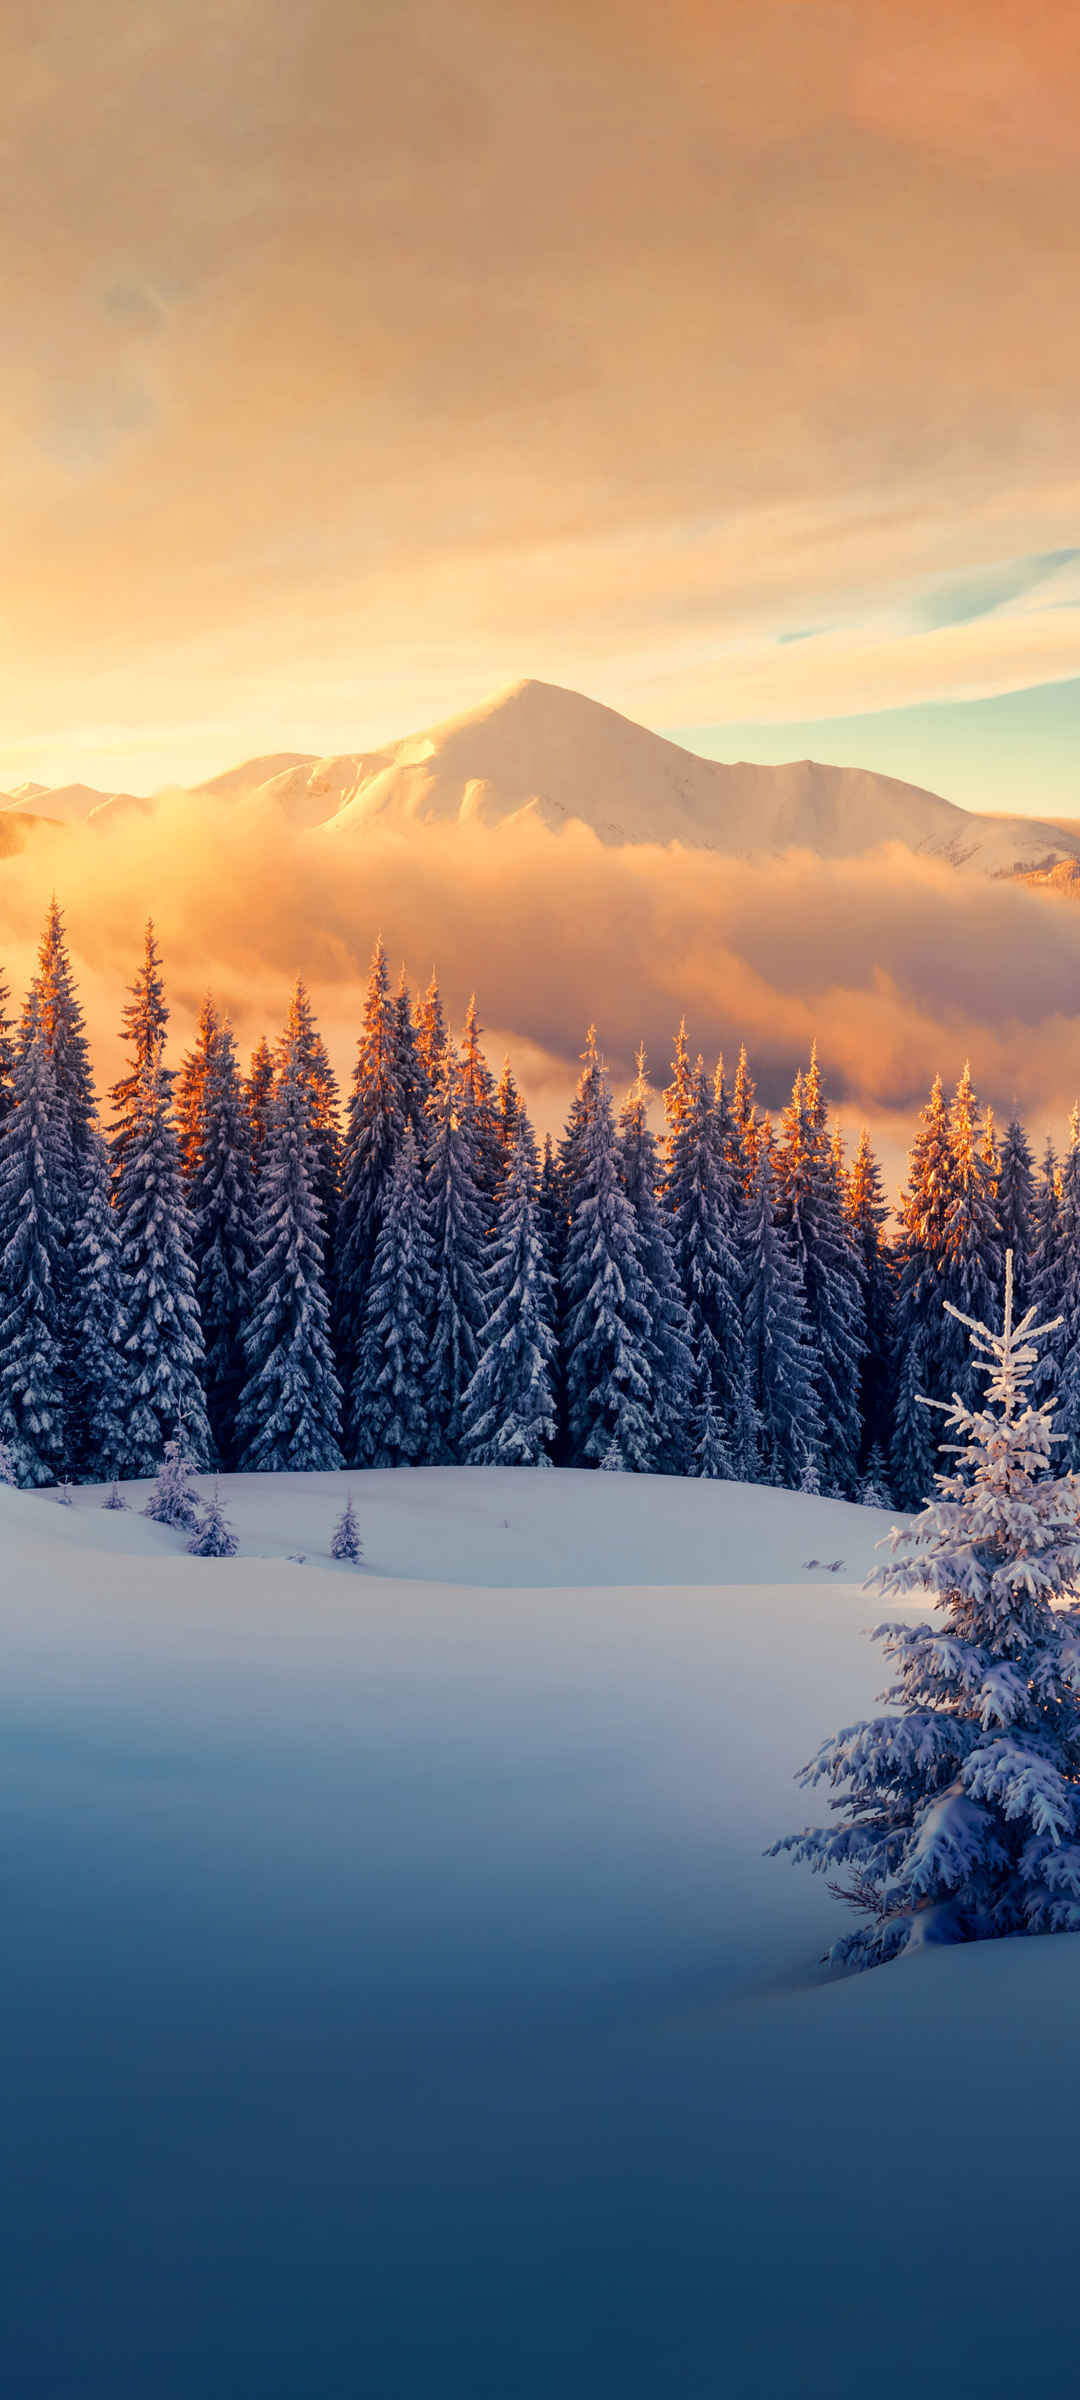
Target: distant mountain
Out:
[68,803]
[537,752]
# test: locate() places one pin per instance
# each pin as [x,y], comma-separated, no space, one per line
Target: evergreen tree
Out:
[7,1465]
[302,1043]
[114,1498]
[704,1214]
[53,1003]
[389,1398]
[509,1110]
[961,1813]
[811,1214]
[923,1355]
[551,1212]
[745,1123]
[708,1452]
[974,1260]
[99,1382]
[432,1038]
[410,1071]
[213,1536]
[668,1346]
[1067,1332]
[258,1092]
[509,1407]
[375,1124]
[1015,1205]
[289,1412]
[159,1331]
[222,1202]
[779,1356]
[7,1055]
[345,1539]
[32,1424]
[610,1396]
[1046,1281]
[479,1110]
[866,1211]
[174,1499]
[191,1089]
[455,1215]
[875,1491]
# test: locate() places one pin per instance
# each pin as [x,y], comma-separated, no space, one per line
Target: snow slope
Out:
[537,751]
[396,1998]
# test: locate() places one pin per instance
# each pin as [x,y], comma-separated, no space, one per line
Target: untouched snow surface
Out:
[396,1999]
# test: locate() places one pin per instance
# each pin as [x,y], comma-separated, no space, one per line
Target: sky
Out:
[721,362]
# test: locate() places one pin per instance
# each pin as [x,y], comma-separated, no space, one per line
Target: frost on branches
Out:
[961,1813]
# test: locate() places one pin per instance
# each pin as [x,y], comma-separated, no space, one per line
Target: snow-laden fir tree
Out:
[7,1465]
[974,1258]
[779,1356]
[302,1041]
[190,1088]
[1015,1204]
[32,1191]
[867,1211]
[875,1491]
[456,1212]
[509,1110]
[345,1540]
[609,1388]
[745,1124]
[432,1038]
[707,1451]
[53,1002]
[1047,1269]
[704,1212]
[389,1407]
[213,1536]
[1067,1339]
[221,1198]
[258,1093]
[479,1109]
[99,1373]
[959,1814]
[159,1328]
[924,1356]
[668,1346]
[374,1126]
[174,1499]
[7,1054]
[812,1217]
[413,1081]
[509,1408]
[289,1411]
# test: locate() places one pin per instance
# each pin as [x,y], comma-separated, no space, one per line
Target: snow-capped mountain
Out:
[538,752]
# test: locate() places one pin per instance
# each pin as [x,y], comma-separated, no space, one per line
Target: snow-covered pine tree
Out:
[53,1002]
[974,1259]
[409,1068]
[961,1813]
[707,1454]
[668,1345]
[1048,1267]
[374,1127]
[302,1041]
[289,1411]
[923,1355]
[745,1124]
[213,1536]
[1067,1338]
[7,1054]
[609,1390]
[867,1212]
[174,1499]
[875,1491]
[779,1354]
[7,1465]
[190,1088]
[509,1408]
[388,1409]
[456,1216]
[99,1378]
[160,1334]
[432,1038]
[480,1112]
[811,1214]
[345,1542]
[221,1197]
[1015,1204]
[258,1092]
[509,1109]
[704,1212]
[32,1192]
[551,1207]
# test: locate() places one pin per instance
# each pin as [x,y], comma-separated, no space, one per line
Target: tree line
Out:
[242,1267]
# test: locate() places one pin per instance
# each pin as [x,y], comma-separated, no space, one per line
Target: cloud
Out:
[897,965]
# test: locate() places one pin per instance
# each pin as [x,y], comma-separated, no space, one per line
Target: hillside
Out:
[536,751]
[396,1997]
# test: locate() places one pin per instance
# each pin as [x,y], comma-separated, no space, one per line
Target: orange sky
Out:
[360,356]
